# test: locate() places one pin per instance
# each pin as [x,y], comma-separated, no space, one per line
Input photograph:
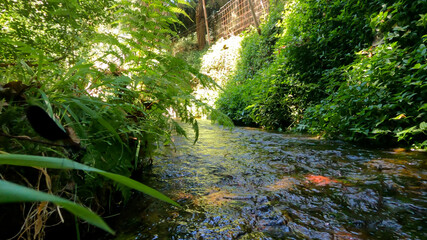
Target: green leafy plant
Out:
[103,70]
[15,193]
[381,97]
[256,53]
[345,69]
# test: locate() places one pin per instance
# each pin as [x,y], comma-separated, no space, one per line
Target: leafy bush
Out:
[307,38]
[382,96]
[255,54]
[317,37]
[351,69]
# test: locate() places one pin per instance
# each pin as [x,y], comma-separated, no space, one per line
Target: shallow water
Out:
[252,184]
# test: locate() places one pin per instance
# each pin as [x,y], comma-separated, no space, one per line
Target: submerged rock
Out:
[253,184]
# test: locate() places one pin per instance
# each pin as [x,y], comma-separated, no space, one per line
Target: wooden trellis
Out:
[232,18]
[235,16]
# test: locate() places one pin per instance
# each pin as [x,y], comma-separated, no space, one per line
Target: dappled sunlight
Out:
[405,151]
[217,197]
[218,62]
[398,167]
[249,181]
[399,150]
[180,196]
[284,183]
[334,138]
[221,59]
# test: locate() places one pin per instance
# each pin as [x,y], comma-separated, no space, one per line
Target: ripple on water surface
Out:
[252,184]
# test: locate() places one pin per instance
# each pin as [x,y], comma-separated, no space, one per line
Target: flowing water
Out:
[252,184]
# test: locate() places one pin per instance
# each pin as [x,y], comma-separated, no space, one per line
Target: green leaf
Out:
[11,192]
[380,131]
[417,66]
[62,163]
[179,130]
[400,116]
[424,106]
[101,120]
[180,11]
[196,130]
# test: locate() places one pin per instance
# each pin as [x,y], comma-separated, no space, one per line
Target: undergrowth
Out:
[103,72]
[350,69]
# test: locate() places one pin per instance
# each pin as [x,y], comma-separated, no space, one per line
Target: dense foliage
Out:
[350,69]
[103,71]
[383,92]
[256,54]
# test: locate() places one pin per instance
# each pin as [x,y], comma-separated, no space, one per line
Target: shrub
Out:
[382,95]
[351,69]
[255,54]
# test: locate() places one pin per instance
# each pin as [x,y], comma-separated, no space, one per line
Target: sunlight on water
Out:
[254,184]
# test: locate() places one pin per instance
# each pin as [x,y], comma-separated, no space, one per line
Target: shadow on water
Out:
[252,184]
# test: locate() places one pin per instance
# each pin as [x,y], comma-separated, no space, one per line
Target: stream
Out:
[253,184]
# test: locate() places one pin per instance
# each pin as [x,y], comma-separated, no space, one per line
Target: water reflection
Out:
[252,184]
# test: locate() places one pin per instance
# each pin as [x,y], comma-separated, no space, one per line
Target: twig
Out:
[26,138]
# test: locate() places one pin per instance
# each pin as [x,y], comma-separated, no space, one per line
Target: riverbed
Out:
[253,184]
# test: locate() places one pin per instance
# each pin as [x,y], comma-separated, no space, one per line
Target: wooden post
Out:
[200,26]
[206,22]
[254,17]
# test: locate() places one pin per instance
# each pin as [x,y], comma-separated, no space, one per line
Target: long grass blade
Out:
[11,192]
[62,163]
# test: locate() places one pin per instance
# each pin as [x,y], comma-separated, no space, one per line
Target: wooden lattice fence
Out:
[235,16]
[232,18]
